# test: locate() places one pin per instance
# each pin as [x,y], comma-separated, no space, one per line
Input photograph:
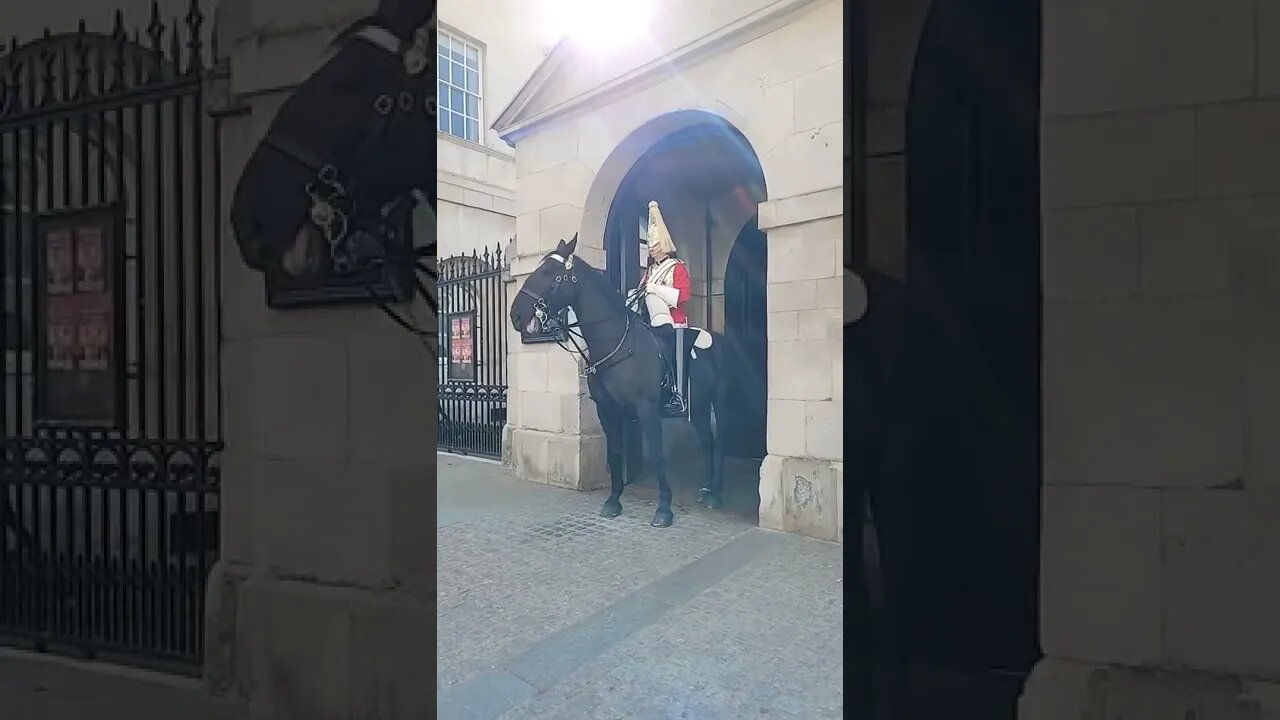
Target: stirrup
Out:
[676,403]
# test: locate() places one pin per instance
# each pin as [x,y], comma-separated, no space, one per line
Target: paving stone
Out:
[711,618]
[34,687]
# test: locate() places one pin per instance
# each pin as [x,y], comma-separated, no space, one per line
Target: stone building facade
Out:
[476,170]
[770,74]
[1161,193]
[326,613]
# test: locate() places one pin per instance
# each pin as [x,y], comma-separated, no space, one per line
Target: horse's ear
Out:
[573,244]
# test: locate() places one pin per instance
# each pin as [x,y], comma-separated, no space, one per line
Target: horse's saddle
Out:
[694,338]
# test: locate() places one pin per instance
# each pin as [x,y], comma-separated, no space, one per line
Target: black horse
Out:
[348,155]
[625,368]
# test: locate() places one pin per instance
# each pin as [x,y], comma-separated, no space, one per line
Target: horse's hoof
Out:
[713,502]
[663,519]
[611,510]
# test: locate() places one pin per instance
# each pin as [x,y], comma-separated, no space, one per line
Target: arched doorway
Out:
[709,183]
[973,287]
[746,320]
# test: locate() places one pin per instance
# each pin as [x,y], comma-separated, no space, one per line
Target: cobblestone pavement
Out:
[548,611]
[34,687]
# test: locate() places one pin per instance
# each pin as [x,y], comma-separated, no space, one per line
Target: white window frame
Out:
[449,91]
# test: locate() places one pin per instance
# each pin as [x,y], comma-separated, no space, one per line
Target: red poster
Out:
[79,375]
[462,347]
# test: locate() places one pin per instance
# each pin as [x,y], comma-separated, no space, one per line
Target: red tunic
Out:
[680,281]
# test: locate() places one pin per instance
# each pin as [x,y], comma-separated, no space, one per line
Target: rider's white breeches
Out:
[659,310]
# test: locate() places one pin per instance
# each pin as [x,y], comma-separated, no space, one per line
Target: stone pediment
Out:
[572,76]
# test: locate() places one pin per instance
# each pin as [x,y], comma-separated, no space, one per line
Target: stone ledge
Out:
[475,147]
[446,179]
[797,209]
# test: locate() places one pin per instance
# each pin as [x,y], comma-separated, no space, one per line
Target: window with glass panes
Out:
[459,87]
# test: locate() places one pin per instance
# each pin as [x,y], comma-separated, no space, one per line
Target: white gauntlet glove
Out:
[633,297]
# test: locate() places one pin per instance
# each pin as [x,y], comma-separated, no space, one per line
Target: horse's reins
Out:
[542,312]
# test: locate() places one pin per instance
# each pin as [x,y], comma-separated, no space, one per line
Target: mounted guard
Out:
[666,288]
[627,371]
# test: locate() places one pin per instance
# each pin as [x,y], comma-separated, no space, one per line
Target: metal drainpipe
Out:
[707,270]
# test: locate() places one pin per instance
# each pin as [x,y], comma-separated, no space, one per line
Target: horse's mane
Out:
[597,279]
[350,31]
[391,25]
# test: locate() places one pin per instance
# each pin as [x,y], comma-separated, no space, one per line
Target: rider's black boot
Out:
[675,404]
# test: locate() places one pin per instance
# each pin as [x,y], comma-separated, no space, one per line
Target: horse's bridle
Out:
[541,311]
[332,206]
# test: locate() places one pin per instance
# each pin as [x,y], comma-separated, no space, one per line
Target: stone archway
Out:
[710,183]
[650,137]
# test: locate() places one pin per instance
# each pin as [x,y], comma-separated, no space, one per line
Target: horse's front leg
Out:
[614,427]
[651,426]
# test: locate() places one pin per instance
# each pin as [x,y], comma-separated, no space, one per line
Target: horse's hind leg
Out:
[613,447]
[651,425]
[710,492]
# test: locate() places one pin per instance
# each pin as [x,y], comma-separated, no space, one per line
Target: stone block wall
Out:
[475,198]
[802,479]
[554,434]
[1161,277]
[322,603]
